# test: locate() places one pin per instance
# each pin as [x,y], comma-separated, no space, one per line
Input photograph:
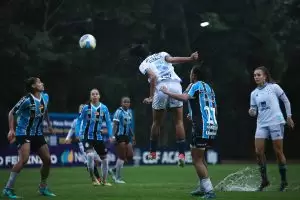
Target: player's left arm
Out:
[116,121]
[181,97]
[46,115]
[153,80]
[177,60]
[282,96]
[132,134]
[216,105]
[47,118]
[108,123]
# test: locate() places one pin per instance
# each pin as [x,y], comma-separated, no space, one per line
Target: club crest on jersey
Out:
[89,111]
[32,107]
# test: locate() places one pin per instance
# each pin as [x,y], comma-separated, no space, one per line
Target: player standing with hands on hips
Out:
[270,122]
[160,71]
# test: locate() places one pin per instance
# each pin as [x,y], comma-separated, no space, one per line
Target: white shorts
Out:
[275,132]
[161,101]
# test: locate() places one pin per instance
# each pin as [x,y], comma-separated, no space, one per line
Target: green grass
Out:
[145,183]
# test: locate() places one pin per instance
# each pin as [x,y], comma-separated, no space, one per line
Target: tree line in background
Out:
[40,38]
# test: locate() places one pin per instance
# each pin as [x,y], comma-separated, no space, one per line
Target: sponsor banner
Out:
[61,123]
[69,155]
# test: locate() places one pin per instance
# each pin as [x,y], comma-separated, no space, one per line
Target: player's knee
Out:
[197,155]
[156,124]
[279,152]
[129,156]
[196,160]
[90,156]
[22,161]
[103,157]
[259,150]
[46,160]
[258,154]
[122,155]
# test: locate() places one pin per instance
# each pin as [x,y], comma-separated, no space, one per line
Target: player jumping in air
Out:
[123,131]
[90,125]
[28,134]
[201,98]
[72,132]
[160,71]
[270,122]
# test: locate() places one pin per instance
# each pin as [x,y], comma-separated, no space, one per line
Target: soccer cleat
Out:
[209,195]
[181,160]
[151,156]
[119,181]
[198,192]
[264,184]
[96,183]
[112,172]
[283,186]
[46,192]
[9,193]
[104,183]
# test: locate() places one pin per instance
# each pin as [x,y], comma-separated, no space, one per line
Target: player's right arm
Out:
[177,60]
[71,132]
[253,106]
[15,111]
[82,116]
[116,122]
[145,69]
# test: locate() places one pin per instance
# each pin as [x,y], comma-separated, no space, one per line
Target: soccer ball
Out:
[87,41]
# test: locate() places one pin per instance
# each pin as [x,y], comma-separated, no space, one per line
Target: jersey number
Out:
[212,126]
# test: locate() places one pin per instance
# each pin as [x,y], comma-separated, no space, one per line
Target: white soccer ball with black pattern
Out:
[87,41]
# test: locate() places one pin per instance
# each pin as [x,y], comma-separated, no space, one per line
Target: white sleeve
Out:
[164,54]
[287,104]
[282,96]
[252,101]
[278,90]
[143,67]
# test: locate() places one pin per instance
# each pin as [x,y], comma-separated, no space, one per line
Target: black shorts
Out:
[36,142]
[97,145]
[122,138]
[197,140]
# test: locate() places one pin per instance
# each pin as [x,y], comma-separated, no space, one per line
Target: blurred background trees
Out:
[40,38]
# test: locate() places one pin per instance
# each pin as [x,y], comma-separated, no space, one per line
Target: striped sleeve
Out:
[21,105]
[193,90]
[117,115]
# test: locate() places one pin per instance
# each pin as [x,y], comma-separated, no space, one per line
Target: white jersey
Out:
[161,68]
[266,101]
